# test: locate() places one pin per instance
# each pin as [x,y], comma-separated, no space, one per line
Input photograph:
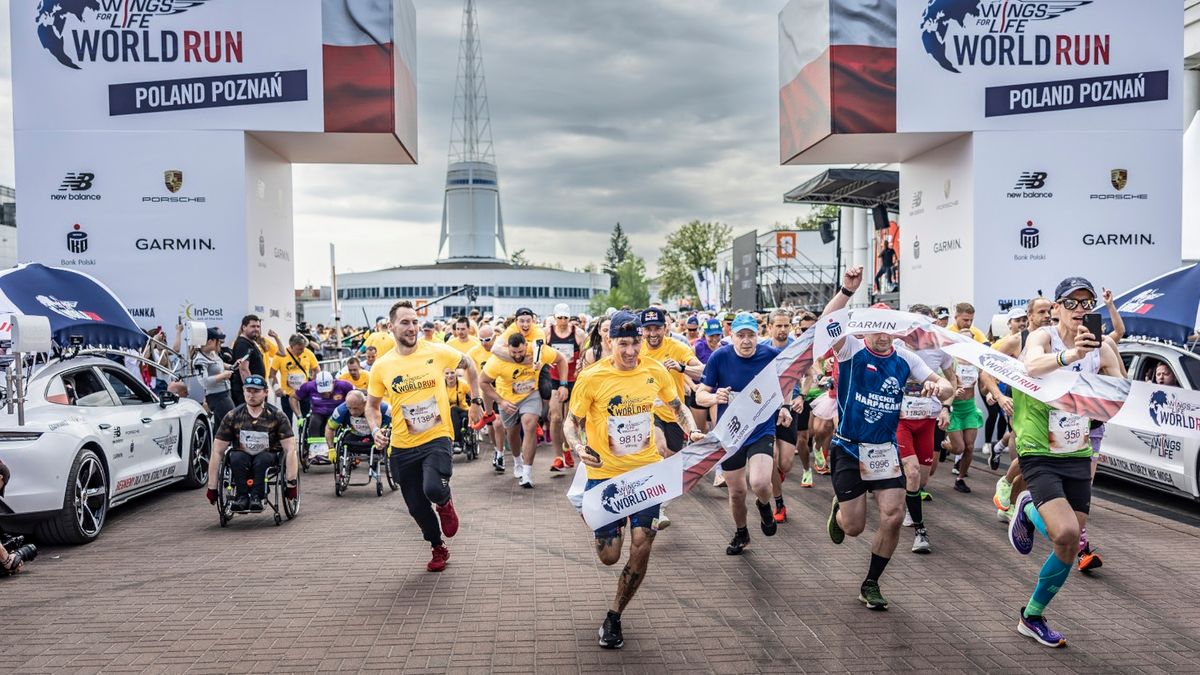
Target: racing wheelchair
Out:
[276,484]
[350,450]
[311,445]
[466,438]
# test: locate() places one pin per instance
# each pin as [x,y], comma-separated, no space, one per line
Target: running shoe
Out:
[836,534]
[610,632]
[960,485]
[557,465]
[241,504]
[719,480]
[1090,560]
[484,421]
[662,522]
[518,468]
[1037,628]
[806,478]
[568,459]
[921,541]
[926,496]
[769,526]
[994,459]
[908,521]
[869,595]
[820,463]
[987,449]
[1003,497]
[256,504]
[781,514]
[449,518]
[1083,541]
[1020,529]
[956,462]
[1003,515]
[741,539]
[525,482]
[498,462]
[437,563]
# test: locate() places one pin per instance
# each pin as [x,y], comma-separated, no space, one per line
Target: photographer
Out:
[12,563]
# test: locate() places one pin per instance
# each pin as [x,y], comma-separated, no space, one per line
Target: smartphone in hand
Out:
[1092,322]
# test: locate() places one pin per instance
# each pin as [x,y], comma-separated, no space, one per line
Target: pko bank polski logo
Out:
[124,31]
[994,33]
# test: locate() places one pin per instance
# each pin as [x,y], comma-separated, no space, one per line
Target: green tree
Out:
[693,246]
[618,251]
[519,259]
[630,288]
[817,216]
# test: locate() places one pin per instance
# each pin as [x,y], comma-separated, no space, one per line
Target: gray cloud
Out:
[650,112]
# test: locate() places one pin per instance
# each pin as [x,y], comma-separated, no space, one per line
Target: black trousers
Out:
[423,473]
[219,405]
[247,467]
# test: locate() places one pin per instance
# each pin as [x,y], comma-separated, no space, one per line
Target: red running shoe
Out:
[558,464]
[484,421]
[441,554]
[449,519]
[568,459]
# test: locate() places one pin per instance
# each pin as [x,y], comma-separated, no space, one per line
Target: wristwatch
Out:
[478,400]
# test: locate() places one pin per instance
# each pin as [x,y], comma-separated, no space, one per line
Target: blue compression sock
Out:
[1053,575]
[1035,517]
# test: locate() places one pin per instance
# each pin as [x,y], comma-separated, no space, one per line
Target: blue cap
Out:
[712,327]
[652,316]
[624,324]
[692,320]
[1071,284]
[254,382]
[743,321]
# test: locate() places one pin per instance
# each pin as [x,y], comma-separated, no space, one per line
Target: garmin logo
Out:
[175,244]
[947,245]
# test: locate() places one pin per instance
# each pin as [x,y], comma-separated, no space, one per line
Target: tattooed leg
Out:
[608,548]
[635,570]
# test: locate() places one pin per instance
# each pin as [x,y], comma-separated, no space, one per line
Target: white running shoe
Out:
[518,467]
[908,521]
[663,521]
[987,449]
[526,477]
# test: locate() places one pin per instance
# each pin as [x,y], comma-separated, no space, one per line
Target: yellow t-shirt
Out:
[618,407]
[269,351]
[364,378]
[976,334]
[517,381]
[382,341]
[461,396]
[669,349]
[464,347]
[535,333]
[294,370]
[480,356]
[414,386]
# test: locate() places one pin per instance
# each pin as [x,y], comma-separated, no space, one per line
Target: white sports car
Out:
[94,437]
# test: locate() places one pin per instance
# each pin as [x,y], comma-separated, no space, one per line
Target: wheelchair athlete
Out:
[324,395]
[352,416]
[253,433]
[460,405]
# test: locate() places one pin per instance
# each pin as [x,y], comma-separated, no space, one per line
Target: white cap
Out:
[1017,313]
[324,382]
[562,311]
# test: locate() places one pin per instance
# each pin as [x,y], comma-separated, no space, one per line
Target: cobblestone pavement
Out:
[344,587]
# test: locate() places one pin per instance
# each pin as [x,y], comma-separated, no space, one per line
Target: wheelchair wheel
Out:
[387,471]
[223,495]
[303,440]
[341,474]
[378,488]
[290,506]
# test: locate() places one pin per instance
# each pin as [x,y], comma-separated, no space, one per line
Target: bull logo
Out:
[173,179]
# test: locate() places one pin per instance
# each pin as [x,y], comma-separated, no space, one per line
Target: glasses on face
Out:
[1072,303]
[485,340]
[692,329]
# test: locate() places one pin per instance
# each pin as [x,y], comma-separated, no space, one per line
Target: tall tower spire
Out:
[471,220]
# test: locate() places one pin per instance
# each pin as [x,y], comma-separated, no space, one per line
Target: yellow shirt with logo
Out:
[294,370]
[618,406]
[464,347]
[382,341]
[681,353]
[535,333]
[480,356]
[414,386]
[364,378]
[461,396]
[517,381]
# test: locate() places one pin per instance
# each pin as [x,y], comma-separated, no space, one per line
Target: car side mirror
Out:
[168,398]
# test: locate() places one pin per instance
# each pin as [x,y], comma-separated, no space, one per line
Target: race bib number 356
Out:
[1068,432]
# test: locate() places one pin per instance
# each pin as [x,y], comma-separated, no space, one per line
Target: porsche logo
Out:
[173,179]
[1120,178]
[756,397]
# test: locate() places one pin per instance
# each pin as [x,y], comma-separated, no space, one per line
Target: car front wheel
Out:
[85,504]
[199,451]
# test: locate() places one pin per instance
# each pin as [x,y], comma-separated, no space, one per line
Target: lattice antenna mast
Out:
[471,125]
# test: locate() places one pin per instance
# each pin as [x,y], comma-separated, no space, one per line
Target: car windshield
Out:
[1191,366]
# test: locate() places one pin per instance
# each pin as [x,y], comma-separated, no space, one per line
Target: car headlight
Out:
[19,436]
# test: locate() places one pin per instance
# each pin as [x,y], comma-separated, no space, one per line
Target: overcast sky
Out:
[647,112]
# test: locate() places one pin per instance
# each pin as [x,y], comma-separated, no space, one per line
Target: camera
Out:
[16,546]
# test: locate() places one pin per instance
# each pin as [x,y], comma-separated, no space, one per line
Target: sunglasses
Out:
[692,329]
[485,339]
[1072,303]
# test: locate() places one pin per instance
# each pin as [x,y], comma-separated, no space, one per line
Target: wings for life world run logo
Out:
[1166,410]
[621,495]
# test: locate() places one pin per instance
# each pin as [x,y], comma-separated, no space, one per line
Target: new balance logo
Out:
[77,182]
[1031,180]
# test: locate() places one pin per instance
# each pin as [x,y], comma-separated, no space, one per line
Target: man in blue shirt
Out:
[872,372]
[728,371]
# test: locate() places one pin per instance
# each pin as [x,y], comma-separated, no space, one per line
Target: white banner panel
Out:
[269,238]
[157,216]
[1054,204]
[167,64]
[936,236]
[967,65]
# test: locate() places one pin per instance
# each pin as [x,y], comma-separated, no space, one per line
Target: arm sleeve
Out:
[916,366]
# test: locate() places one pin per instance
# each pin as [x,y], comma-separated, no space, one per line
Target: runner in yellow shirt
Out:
[682,364]
[355,374]
[526,324]
[462,340]
[964,317]
[614,401]
[412,379]
[511,377]
[381,339]
[295,366]
[491,418]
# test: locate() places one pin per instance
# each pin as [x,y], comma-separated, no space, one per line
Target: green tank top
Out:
[1043,431]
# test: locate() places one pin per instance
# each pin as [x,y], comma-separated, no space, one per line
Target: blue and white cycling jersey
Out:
[341,417]
[871,389]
